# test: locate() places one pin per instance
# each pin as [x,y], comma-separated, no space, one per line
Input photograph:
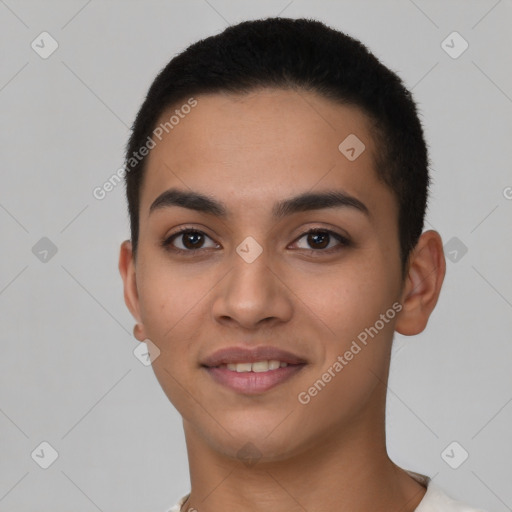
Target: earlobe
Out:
[139,332]
[127,270]
[426,271]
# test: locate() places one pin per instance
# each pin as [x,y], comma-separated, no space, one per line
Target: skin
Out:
[250,151]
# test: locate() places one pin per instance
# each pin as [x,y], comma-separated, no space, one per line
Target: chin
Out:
[256,450]
[252,438]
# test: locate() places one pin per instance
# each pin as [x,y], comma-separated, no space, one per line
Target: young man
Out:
[277,179]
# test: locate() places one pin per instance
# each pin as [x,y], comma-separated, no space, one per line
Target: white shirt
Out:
[434,500]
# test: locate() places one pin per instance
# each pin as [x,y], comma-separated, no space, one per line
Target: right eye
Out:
[191,241]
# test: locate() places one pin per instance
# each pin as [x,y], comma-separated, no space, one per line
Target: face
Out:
[269,270]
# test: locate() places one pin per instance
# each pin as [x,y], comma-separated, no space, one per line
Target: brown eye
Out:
[192,239]
[186,240]
[323,240]
[318,240]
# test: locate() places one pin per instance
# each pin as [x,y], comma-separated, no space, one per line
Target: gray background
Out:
[68,375]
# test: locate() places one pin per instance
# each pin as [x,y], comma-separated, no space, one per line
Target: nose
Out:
[253,295]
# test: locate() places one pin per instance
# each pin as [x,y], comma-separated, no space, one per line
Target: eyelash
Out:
[344,242]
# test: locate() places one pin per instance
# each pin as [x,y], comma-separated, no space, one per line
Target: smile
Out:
[253,378]
[257,366]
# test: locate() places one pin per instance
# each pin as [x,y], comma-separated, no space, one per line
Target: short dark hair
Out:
[301,54]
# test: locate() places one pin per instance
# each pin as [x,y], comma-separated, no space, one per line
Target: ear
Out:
[425,275]
[131,296]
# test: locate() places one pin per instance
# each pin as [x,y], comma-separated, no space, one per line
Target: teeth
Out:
[274,365]
[257,367]
[243,367]
[260,366]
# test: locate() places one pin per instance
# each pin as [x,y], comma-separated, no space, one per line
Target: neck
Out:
[351,471]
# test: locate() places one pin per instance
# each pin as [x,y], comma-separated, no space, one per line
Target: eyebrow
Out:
[303,202]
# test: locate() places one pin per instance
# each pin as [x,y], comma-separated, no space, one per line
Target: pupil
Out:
[194,238]
[315,236]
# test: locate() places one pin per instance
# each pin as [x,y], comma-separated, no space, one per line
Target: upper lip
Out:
[247,355]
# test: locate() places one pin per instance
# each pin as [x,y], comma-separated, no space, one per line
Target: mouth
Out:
[256,367]
[253,371]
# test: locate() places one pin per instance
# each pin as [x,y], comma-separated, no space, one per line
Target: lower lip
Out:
[252,383]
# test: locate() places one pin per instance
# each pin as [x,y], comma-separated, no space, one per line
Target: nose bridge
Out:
[251,291]
[250,279]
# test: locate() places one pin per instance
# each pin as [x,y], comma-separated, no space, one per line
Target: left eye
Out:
[322,239]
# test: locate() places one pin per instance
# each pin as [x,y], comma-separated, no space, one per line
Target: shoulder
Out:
[437,500]
[434,500]
[177,506]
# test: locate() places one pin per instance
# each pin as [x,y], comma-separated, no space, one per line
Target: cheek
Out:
[168,295]
[347,306]
[173,311]
[356,356]
[346,299]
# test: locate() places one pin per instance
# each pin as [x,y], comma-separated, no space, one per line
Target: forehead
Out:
[262,146]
